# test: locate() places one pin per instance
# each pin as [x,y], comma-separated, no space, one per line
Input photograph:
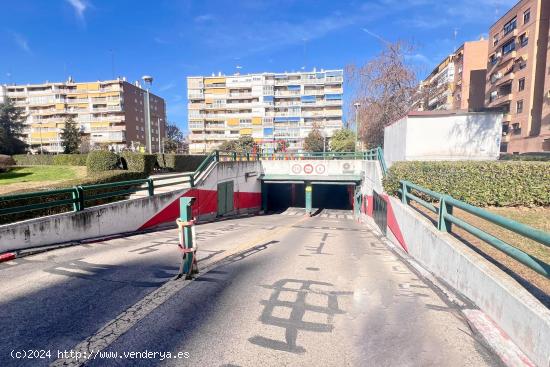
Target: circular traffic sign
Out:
[320,169]
[296,169]
[308,169]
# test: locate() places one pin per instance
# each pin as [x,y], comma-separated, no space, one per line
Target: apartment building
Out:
[274,109]
[458,82]
[518,82]
[110,113]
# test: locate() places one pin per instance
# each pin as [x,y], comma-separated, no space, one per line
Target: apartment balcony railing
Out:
[108,109]
[195,96]
[287,93]
[240,95]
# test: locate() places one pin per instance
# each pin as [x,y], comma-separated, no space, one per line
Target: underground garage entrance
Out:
[278,196]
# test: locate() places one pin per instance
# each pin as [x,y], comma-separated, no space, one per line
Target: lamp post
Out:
[356,105]
[149,145]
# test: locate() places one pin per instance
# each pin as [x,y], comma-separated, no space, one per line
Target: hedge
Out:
[180,162]
[540,156]
[97,178]
[481,183]
[139,162]
[101,160]
[34,159]
[48,159]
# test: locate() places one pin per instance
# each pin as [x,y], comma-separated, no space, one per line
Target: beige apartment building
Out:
[275,109]
[517,79]
[110,113]
[458,82]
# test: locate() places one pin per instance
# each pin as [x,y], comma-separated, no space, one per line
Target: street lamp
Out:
[356,105]
[148,80]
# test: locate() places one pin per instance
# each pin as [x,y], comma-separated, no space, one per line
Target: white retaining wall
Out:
[515,310]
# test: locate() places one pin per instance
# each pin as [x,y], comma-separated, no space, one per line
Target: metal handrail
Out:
[446,218]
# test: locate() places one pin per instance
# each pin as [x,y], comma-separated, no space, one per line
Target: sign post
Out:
[185,224]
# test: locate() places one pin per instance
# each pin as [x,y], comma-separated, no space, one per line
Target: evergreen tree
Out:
[70,137]
[11,125]
[314,141]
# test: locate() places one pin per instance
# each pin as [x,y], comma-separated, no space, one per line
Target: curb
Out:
[7,256]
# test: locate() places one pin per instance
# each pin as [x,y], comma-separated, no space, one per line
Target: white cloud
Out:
[21,42]
[166,87]
[79,7]
[204,18]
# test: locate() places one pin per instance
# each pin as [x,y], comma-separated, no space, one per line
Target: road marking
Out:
[115,328]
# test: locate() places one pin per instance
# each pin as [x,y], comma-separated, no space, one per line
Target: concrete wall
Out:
[140,213]
[453,136]
[517,312]
[319,167]
[103,220]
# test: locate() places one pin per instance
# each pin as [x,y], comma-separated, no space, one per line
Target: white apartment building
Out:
[274,109]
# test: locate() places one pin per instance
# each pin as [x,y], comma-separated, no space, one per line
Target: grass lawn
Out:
[538,217]
[27,177]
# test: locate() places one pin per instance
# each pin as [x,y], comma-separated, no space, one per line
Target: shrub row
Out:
[97,178]
[101,160]
[49,159]
[138,162]
[180,162]
[484,183]
[540,156]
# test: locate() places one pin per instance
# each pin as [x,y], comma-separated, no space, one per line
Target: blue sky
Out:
[172,39]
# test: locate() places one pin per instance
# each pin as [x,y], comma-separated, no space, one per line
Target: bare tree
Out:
[385,87]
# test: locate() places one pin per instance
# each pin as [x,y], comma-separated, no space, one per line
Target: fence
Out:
[445,219]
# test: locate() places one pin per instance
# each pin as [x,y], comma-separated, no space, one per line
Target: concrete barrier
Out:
[139,213]
[507,303]
[98,221]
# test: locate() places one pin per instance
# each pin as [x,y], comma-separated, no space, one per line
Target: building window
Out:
[495,39]
[521,84]
[508,47]
[522,64]
[493,59]
[519,106]
[523,40]
[510,26]
[526,16]
[515,128]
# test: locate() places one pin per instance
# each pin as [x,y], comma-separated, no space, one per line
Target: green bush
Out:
[483,183]
[101,160]
[96,178]
[540,156]
[139,162]
[6,162]
[34,159]
[180,162]
[70,159]
[49,159]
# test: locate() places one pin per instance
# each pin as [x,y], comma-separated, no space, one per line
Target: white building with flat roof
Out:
[274,109]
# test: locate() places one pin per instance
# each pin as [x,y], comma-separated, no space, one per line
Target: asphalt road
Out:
[321,291]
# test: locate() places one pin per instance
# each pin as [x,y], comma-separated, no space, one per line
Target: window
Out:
[522,64]
[526,16]
[495,39]
[508,47]
[516,129]
[523,40]
[493,59]
[510,26]
[519,106]
[521,84]
[505,129]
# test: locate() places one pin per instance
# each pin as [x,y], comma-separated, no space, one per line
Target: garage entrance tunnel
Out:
[277,197]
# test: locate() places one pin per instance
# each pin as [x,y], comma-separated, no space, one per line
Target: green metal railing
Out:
[445,220]
[78,196]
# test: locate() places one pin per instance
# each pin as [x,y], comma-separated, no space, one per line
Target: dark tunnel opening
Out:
[281,196]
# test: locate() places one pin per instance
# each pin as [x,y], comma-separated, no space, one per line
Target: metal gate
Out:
[225,198]
[380,212]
